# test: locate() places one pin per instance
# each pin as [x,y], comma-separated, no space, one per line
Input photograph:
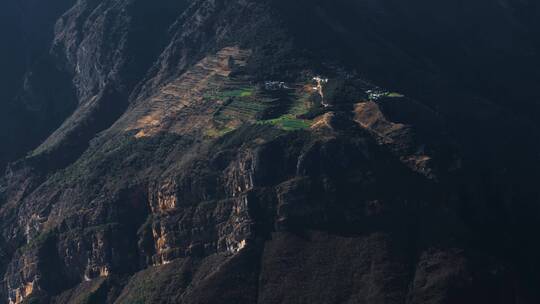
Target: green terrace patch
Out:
[300,106]
[215,133]
[395,95]
[247,104]
[231,93]
[244,92]
[289,122]
[244,109]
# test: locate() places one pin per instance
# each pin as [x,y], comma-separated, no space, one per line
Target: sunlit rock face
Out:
[271,151]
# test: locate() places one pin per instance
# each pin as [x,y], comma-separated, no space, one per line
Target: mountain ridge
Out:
[195,160]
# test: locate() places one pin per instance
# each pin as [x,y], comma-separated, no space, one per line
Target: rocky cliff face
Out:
[269,152]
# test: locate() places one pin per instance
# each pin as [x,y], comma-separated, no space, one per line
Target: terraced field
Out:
[241,109]
[289,122]
[239,103]
[242,102]
[300,104]
[187,104]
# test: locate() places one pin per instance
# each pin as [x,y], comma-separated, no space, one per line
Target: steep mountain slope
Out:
[248,151]
[35,93]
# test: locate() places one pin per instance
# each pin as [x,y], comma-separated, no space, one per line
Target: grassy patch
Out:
[245,105]
[240,92]
[158,284]
[239,106]
[300,107]
[293,119]
[243,92]
[395,95]
[244,109]
[289,122]
[215,133]
[118,158]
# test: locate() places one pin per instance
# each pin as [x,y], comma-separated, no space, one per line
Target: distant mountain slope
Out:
[35,93]
[270,151]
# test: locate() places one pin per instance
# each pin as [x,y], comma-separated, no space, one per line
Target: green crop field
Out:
[244,104]
[289,122]
[221,95]
[395,95]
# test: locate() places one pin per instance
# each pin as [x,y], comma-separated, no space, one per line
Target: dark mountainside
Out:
[269,151]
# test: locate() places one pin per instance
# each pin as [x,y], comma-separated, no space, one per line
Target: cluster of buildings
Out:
[320,82]
[275,85]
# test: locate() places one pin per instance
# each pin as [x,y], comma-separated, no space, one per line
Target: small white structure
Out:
[320,82]
[377,94]
[275,85]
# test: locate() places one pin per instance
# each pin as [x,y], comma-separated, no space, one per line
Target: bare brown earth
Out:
[180,106]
